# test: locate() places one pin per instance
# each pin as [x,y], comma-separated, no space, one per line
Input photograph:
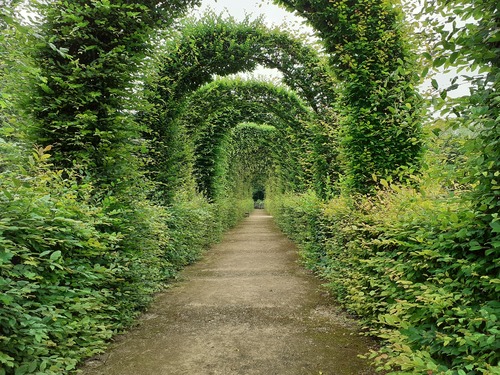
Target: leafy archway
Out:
[369,52]
[216,46]
[217,107]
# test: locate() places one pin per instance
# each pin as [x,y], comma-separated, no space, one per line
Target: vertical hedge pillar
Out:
[370,55]
[85,93]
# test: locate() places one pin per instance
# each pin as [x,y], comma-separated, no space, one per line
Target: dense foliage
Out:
[125,150]
[412,267]
[216,108]
[369,53]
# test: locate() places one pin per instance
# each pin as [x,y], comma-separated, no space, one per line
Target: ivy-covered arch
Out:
[88,55]
[216,108]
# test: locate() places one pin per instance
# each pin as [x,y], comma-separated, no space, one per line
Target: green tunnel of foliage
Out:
[216,46]
[217,107]
[147,157]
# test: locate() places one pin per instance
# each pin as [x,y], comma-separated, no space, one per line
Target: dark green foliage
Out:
[379,107]
[54,264]
[88,61]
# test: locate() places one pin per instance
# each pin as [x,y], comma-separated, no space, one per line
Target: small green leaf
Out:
[439,62]
[427,55]
[495,225]
[55,255]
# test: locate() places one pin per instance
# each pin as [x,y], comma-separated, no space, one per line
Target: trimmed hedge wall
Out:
[416,268]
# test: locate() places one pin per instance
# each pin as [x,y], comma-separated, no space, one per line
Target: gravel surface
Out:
[246,308]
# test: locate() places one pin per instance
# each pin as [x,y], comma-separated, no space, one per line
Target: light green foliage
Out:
[420,266]
[66,285]
[254,153]
[413,268]
[16,44]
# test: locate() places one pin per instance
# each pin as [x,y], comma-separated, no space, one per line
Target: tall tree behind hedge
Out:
[84,94]
[370,55]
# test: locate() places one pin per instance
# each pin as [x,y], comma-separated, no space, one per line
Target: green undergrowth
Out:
[418,268]
[69,280]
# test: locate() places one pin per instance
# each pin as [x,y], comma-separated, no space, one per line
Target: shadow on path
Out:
[246,308]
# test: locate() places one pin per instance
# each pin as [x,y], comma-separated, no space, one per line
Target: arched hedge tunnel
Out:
[216,108]
[187,105]
[221,47]
[146,152]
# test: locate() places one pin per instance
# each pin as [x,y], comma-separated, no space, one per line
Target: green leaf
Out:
[21,370]
[495,225]
[55,255]
[439,62]
[427,55]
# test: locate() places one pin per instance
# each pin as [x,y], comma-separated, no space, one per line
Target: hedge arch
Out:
[216,108]
[252,156]
[216,46]
[88,57]
[379,136]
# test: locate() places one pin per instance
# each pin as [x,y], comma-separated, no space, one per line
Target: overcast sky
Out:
[273,14]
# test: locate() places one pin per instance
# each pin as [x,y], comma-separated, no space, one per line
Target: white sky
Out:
[273,14]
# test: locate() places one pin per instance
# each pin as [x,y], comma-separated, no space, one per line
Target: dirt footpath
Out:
[246,308]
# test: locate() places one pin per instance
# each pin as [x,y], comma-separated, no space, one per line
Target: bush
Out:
[414,267]
[54,260]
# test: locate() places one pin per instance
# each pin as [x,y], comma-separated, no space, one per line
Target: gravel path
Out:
[246,308]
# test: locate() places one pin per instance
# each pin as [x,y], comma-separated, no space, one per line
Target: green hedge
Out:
[69,280]
[416,268]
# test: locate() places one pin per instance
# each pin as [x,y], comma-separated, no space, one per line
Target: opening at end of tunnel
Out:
[258,198]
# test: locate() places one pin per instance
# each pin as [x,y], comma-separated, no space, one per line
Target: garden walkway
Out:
[246,308]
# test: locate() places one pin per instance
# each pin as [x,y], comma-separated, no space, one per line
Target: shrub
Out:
[54,261]
[414,267]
